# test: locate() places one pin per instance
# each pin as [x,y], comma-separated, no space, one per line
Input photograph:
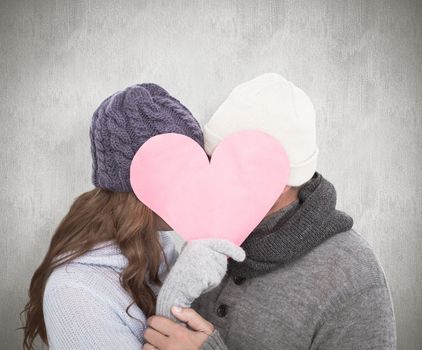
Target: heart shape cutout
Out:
[226,197]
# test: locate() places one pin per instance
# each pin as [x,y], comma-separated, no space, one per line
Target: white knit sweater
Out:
[85,305]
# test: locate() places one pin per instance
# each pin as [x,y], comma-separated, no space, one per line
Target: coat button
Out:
[239,280]
[222,310]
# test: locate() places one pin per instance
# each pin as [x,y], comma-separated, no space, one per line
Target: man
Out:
[309,280]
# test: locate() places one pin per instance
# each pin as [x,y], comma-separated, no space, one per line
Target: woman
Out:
[107,258]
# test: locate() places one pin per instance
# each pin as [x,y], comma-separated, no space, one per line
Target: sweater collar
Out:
[108,254]
[294,230]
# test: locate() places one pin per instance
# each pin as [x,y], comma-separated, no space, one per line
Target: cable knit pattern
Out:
[85,305]
[127,119]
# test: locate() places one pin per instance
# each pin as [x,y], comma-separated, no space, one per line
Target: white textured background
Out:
[359,61]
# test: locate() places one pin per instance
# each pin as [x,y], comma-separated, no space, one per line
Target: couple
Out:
[303,279]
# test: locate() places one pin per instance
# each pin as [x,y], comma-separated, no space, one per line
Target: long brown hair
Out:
[96,216]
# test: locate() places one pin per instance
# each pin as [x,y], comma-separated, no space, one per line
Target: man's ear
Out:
[286,188]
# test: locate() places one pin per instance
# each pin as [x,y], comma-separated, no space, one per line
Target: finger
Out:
[148,346]
[162,324]
[193,319]
[155,339]
[225,247]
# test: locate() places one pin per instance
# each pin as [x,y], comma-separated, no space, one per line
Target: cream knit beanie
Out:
[272,104]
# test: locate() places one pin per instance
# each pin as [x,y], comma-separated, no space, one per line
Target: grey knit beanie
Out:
[124,121]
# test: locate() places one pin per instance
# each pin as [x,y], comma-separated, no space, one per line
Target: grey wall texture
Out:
[359,61]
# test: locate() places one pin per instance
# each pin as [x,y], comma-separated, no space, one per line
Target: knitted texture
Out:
[200,267]
[293,231]
[84,304]
[272,104]
[127,119]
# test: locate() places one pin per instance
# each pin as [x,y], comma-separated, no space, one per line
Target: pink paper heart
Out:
[226,197]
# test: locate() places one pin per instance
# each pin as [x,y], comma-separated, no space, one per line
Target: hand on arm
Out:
[165,334]
[200,267]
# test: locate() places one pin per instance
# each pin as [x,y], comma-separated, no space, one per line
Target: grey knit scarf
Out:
[293,230]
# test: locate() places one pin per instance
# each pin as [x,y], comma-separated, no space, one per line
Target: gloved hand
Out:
[201,266]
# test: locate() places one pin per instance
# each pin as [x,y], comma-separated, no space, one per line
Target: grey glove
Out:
[201,266]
